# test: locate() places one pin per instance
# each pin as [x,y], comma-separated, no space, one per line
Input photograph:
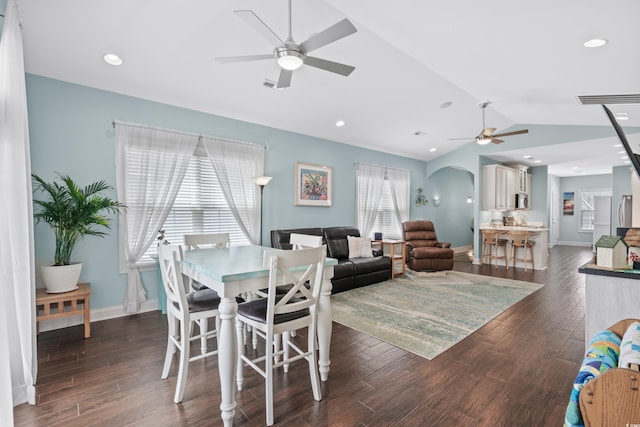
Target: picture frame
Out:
[313,185]
[567,203]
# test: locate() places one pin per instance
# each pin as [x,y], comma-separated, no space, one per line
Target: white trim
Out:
[563,243]
[462,249]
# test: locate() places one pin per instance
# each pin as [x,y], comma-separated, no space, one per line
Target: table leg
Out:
[227,358]
[324,327]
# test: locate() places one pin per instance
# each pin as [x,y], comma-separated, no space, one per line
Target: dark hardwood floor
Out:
[515,371]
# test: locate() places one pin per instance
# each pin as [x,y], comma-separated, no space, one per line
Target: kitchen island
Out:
[610,296]
[540,249]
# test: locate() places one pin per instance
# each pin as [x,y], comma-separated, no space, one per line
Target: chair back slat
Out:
[208,240]
[169,257]
[302,241]
[303,269]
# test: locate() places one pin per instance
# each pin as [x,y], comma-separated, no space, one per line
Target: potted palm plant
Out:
[72,212]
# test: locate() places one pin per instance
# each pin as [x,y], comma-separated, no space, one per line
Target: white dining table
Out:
[230,272]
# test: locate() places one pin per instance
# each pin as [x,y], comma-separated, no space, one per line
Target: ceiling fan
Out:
[289,55]
[487,134]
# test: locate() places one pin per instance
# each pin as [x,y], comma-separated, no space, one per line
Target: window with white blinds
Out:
[386,219]
[200,207]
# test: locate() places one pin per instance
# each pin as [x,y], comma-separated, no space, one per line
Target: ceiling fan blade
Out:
[329,35]
[285,78]
[488,132]
[496,141]
[517,132]
[334,67]
[232,59]
[258,24]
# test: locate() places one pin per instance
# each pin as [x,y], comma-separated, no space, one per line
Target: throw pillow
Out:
[359,247]
[630,347]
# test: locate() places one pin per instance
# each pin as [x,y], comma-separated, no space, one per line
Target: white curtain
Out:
[237,164]
[400,183]
[18,351]
[370,184]
[150,166]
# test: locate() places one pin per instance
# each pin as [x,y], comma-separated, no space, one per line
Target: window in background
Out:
[200,207]
[387,218]
[586,207]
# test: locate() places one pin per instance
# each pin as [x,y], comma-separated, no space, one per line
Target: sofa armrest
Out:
[443,245]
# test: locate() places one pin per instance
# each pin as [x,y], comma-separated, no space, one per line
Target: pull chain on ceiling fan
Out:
[288,54]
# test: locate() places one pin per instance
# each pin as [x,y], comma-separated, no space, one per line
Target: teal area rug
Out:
[427,314]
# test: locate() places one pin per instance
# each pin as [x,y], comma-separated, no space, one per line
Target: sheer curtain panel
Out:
[400,185]
[18,355]
[237,164]
[150,166]
[370,182]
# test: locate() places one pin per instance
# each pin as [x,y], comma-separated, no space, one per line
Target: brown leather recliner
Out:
[424,252]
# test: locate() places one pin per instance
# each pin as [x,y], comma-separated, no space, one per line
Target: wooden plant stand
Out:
[74,303]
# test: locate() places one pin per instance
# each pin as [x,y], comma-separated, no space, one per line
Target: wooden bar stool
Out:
[520,239]
[491,240]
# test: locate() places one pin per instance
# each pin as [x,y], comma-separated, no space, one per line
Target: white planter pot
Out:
[61,278]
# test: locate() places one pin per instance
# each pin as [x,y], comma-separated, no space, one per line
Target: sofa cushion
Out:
[370,265]
[343,269]
[359,247]
[336,239]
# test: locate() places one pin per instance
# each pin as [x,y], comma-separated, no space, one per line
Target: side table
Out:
[54,306]
[396,250]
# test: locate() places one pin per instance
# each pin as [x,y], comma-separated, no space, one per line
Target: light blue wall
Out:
[453,219]
[569,223]
[71,132]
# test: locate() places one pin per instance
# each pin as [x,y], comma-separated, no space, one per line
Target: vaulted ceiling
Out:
[411,57]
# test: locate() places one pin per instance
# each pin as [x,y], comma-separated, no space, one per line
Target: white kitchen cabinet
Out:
[498,188]
[523,179]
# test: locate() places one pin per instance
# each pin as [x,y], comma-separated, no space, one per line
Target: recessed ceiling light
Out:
[537,161]
[527,156]
[446,104]
[624,157]
[626,162]
[617,145]
[113,59]
[595,43]
[621,152]
[432,149]
[575,168]
[622,116]
[340,123]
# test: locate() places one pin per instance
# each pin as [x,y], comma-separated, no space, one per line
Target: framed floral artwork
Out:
[313,185]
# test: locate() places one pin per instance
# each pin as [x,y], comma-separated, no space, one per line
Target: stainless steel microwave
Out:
[522,201]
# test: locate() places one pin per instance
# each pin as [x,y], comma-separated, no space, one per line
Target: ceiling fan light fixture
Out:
[290,59]
[483,140]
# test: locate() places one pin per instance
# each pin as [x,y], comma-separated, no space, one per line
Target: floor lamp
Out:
[261,181]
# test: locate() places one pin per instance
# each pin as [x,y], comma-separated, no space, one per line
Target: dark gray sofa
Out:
[350,272]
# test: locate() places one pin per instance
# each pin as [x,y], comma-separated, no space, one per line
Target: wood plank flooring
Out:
[515,371]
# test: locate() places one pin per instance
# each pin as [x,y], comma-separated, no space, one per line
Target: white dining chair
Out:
[184,309]
[202,241]
[280,314]
[302,241]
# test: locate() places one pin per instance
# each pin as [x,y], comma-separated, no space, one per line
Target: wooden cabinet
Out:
[498,188]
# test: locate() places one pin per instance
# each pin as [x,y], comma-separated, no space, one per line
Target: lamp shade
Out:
[262,180]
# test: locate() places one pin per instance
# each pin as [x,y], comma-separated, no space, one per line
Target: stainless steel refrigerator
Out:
[624,211]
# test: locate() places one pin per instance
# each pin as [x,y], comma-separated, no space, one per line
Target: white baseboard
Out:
[96,315]
[462,249]
[563,243]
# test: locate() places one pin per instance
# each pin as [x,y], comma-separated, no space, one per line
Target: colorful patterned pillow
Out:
[630,346]
[603,353]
